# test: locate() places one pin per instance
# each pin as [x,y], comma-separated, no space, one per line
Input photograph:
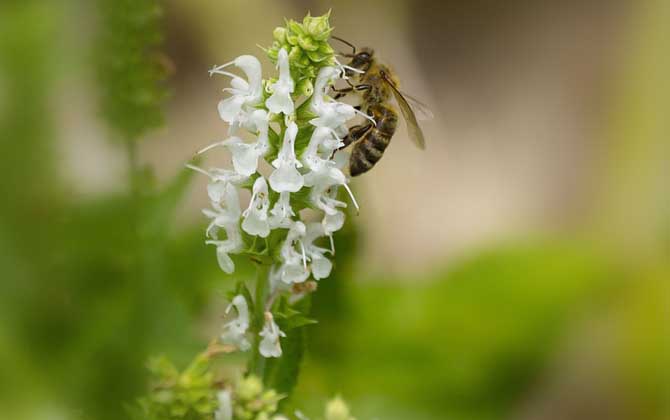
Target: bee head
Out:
[362,60]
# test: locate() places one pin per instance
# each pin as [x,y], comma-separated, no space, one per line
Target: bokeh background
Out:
[518,269]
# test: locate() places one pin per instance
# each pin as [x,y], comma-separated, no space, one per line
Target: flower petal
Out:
[286,179]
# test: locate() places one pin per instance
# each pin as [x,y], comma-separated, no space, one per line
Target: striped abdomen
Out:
[370,149]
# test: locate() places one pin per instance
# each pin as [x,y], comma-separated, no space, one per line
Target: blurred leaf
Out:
[467,342]
[282,374]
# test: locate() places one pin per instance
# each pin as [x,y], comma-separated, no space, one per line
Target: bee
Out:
[376,84]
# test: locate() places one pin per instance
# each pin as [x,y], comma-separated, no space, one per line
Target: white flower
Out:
[333,222]
[220,177]
[235,330]
[282,212]
[325,180]
[286,176]
[280,101]
[321,266]
[245,93]
[269,345]
[294,263]
[225,410]
[321,86]
[245,155]
[226,204]
[322,183]
[322,138]
[231,245]
[226,216]
[331,114]
[256,215]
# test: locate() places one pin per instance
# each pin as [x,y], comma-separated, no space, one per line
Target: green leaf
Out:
[282,374]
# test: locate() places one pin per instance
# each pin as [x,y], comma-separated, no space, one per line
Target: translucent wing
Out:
[422,111]
[415,133]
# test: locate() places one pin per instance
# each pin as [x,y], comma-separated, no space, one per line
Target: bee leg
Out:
[351,88]
[356,133]
[342,92]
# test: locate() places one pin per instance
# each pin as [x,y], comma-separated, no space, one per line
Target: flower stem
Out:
[257,362]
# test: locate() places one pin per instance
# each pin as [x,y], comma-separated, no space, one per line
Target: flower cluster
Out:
[248,400]
[290,163]
[307,47]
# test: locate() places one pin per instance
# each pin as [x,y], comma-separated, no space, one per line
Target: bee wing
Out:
[422,111]
[415,133]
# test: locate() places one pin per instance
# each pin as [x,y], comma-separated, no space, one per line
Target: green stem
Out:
[257,362]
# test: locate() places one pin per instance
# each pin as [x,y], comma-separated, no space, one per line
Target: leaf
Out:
[296,322]
[282,374]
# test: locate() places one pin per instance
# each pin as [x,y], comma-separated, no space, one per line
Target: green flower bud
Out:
[292,39]
[305,87]
[304,60]
[337,409]
[294,55]
[316,26]
[243,414]
[308,49]
[306,43]
[326,49]
[295,27]
[316,56]
[249,388]
[279,34]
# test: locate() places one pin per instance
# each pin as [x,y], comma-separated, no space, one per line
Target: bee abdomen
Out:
[371,148]
[367,152]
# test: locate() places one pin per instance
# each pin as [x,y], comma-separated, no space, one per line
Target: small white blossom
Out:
[236,330]
[282,212]
[322,183]
[280,101]
[294,263]
[219,179]
[245,93]
[320,265]
[225,410]
[323,81]
[333,222]
[331,114]
[226,204]
[245,155]
[225,216]
[269,345]
[286,176]
[256,215]
[231,245]
[322,139]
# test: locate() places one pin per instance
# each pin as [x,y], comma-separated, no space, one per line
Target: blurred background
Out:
[518,269]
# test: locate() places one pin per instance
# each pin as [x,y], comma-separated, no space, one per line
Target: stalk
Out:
[257,361]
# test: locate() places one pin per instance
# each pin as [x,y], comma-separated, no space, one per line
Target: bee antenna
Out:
[353,47]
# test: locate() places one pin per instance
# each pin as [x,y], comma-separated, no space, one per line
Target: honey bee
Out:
[376,84]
